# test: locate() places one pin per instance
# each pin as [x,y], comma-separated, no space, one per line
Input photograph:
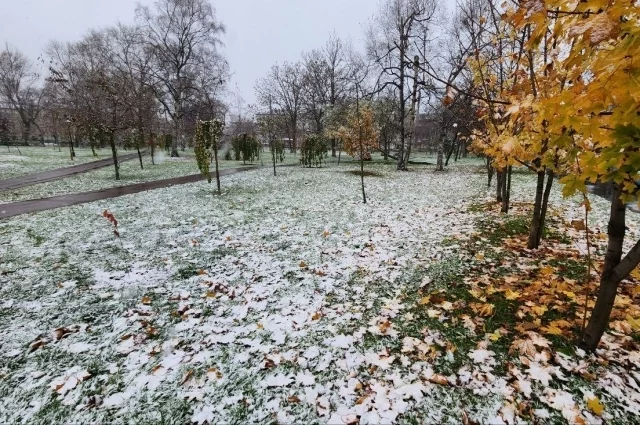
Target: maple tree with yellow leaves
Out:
[572,108]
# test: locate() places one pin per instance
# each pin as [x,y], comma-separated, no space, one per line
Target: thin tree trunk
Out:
[457,145]
[114,153]
[545,205]
[609,280]
[490,171]
[453,147]
[364,195]
[534,229]
[415,104]
[152,143]
[506,190]
[499,182]
[72,152]
[215,157]
[273,157]
[176,138]
[140,139]
[440,151]
[401,165]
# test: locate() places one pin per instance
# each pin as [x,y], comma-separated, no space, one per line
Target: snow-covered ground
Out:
[286,300]
[15,162]
[42,159]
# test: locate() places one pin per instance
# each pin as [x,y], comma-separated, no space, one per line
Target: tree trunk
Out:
[457,149]
[140,139]
[215,157]
[506,190]
[26,133]
[415,104]
[273,157]
[386,146]
[440,151]
[545,205]
[490,171]
[609,280]
[114,153]
[152,146]
[364,195]
[333,147]
[401,165]
[453,147]
[499,182]
[534,229]
[176,138]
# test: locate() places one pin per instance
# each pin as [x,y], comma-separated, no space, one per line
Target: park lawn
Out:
[22,160]
[130,173]
[287,300]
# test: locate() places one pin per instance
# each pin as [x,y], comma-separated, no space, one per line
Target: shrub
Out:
[313,151]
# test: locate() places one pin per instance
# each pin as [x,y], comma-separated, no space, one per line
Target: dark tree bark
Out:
[613,272]
[506,190]
[499,183]
[533,241]
[215,157]
[540,208]
[490,171]
[114,153]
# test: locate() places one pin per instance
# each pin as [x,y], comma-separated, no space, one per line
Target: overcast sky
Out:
[259,34]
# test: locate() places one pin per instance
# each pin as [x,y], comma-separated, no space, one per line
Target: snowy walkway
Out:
[25,207]
[60,173]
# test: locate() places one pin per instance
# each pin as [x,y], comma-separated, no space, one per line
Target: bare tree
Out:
[182,36]
[20,86]
[283,89]
[326,82]
[132,62]
[395,38]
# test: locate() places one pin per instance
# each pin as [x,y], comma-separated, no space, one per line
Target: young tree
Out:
[207,139]
[360,135]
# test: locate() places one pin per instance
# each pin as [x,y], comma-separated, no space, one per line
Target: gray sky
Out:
[260,33]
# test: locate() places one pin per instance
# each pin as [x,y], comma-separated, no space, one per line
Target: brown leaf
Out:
[439,379]
[293,399]
[362,399]
[38,343]
[146,300]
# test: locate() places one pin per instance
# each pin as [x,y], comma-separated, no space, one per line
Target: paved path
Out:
[60,173]
[25,207]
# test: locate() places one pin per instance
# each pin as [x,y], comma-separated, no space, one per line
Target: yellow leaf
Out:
[539,310]
[303,265]
[553,330]
[483,309]
[146,300]
[479,256]
[546,270]
[635,323]
[425,300]
[512,295]
[595,406]
[495,336]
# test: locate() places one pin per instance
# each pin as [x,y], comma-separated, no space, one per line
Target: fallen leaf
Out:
[595,406]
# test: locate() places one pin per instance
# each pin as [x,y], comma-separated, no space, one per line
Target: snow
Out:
[266,318]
